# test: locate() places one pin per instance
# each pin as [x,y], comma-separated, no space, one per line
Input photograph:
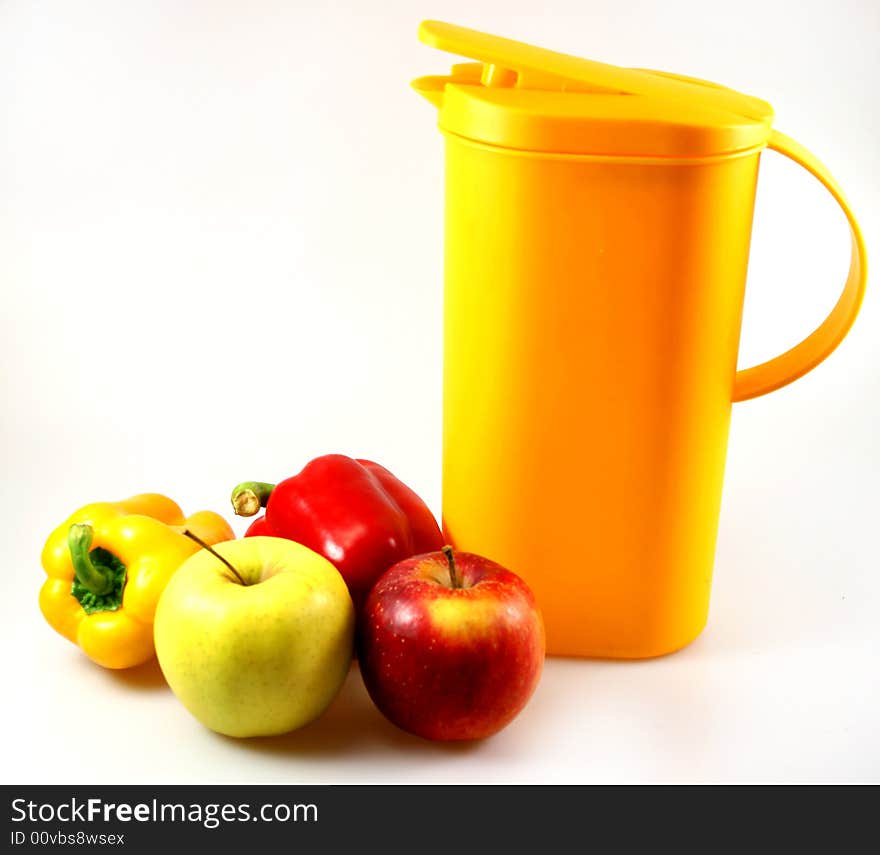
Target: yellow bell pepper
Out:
[108,563]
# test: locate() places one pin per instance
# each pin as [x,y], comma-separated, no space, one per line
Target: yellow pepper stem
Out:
[92,577]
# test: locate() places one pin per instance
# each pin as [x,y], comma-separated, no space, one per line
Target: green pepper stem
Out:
[90,576]
[450,558]
[249,496]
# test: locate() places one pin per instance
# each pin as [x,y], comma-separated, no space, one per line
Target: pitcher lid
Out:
[524,97]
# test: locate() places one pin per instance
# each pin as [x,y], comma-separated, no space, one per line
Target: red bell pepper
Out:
[260,527]
[353,512]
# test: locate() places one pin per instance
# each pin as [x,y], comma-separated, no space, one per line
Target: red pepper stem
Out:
[215,553]
[249,496]
[450,558]
[92,577]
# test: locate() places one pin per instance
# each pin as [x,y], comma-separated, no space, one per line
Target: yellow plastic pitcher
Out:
[597,236]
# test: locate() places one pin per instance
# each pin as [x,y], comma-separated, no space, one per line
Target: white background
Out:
[220,256]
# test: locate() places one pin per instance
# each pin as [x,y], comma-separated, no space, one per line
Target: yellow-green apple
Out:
[256,636]
[450,645]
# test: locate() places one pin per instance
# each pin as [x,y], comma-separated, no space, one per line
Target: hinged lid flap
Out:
[523,97]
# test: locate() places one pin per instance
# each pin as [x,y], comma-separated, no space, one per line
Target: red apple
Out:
[450,645]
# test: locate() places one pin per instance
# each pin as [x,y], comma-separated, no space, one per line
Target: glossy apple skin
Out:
[450,663]
[262,658]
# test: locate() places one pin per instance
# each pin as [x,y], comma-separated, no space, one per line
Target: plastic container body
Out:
[597,237]
[592,319]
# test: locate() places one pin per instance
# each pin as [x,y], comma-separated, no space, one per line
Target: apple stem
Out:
[214,552]
[450,558]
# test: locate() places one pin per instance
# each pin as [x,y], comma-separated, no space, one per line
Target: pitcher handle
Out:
[803,357]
